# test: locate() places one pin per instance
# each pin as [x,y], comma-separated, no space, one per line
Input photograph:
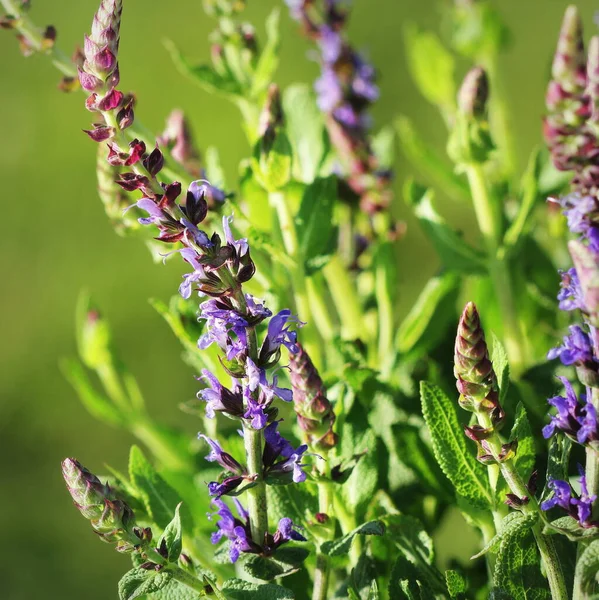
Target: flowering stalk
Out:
[479,393]
[114,521]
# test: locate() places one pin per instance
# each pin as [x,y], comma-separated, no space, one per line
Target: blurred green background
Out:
[56,241]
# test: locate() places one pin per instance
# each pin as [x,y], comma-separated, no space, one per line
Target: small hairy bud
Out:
[474,93]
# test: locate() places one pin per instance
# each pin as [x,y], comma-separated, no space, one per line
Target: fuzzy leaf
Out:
[269,57]
[174,590]
[160,499]
[406,582]
[315,223]
[517,567]
[431,66]
[285,562]
[138,582]
[237,589]
[173,537]
[456,583]
[373,593]
[305,128]
[557,462]
[343,544]
[454,252]
[572,529]
[425,324]
[587,567]
[295,502]
[512,524]
[455,458]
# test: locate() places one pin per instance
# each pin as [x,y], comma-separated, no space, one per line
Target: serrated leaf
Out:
[172,537]
[424,324]
[557,462]
[269,56]
[342,545]
[406,582]
[513,523]
[294,502]
[572,529]
[431,66]
[237,589]
[587,567]
[425,158]
[174,590]
[455,458]
[517,567]
[160,499]
[315,222]
[285,562]
[456,583]
[454,252]
[138,582]
[305,127]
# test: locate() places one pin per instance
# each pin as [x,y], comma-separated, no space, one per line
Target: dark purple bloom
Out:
[217,454]
[255,413]
[570,295]
[576,348]
[279,334]
[275,447]
[578,507]
[329,90]
[225,487]
[241,246]
[566,419]
[364,85]
[589,429]
[286,531]
[218,398]
[331,44]
[236,530]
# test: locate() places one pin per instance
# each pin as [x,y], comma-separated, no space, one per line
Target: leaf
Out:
[269,57]
[285,562]
[172,537]
[174,590]
[373,593]
[425,324]
[237,589]
[467,475]
[315,222]
[138,582]
[98,405]
[294,502]
[517,567]
[456,583]
[383,146]
[572,529]
[511,525]
[501,367]
[407,583]
[160,499]
[305,127]
[214,168]
[272,161]
[435,168]
[454,252]
[557,462]
[431,66]
[525,456]
[587,567]
[343,544]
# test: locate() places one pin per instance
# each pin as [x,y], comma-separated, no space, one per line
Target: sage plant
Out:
[328,449]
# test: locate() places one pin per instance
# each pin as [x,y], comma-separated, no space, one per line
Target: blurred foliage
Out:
[57,241]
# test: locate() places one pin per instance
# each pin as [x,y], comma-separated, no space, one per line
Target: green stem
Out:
[257,505]
[592,479]
[346,299]
[488,215]
[323,567]
[549,556]
[310,336]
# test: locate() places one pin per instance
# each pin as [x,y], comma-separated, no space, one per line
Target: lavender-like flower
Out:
[578,507]
[346,90]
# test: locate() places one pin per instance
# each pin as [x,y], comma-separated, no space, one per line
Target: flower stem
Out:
[257,506]
[488,215]
[322,571]
[553,567]
[310,337]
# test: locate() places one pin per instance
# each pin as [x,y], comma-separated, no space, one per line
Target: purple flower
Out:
[580,508]
[286,532]
[577,209]
[225,487]
[255,412]
[276,446]
[218,398]
[241,246]
[217,454]
[329,90]
[589,430]
[331,44]
[190,256]
[236,530]
[566,419]
[576,348]
[364,85]
[279,334]
[570,295]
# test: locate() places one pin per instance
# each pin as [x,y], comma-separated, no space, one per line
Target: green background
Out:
[56,240]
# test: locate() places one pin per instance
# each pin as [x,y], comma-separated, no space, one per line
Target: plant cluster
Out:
[330,441]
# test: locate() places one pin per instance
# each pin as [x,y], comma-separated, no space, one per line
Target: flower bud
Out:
[110,517]
[314,411]
[569,64]
[593,84]
[474,93]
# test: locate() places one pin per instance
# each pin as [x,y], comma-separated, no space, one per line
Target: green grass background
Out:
[56,240]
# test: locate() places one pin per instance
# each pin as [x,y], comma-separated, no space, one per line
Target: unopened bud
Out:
[272,113]
[474,93]
[592,90]
[569,64]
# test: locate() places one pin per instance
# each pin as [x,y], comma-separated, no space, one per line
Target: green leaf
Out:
[305,127]
[237,589]
[557,462]
[406,582]
[373,593]
[501,367]
[587,567]
[455,458]
[138,582]
[269,57]
[286,561]
[294,502]
[98,405]
[315,222]
[272,162]
[174,590]
[342,545]
[453,251]
[159,498]
[525,456]
[425,158]
[572,529]
[511,525]
[383,146]
[456,583]
[425,324]
[172,537]
[431,66]
[214,168]
[517,567]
